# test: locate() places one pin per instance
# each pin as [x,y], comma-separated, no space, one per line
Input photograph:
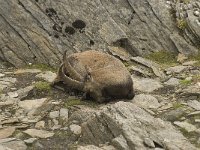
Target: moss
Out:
[42,86]
[163,57]
[42,67]
[73,102]
[177,105]
[181,24]
[185,82]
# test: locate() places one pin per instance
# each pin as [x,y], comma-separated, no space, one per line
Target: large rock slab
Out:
[127,126]
[146,84]
[13,144]
[45,29]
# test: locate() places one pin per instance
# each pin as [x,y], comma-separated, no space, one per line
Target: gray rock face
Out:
[146,84]
[146,101]
[12,144]
[127,126]
[40,31]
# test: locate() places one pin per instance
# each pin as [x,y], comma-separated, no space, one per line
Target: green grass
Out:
[42,86]
[74,102]
[42,67]
[181,24]
[163,58]
[177,105]
[185,82]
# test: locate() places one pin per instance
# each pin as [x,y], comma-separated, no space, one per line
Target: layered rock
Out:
[40,31]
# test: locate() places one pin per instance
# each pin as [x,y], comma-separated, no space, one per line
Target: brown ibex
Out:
[97,74]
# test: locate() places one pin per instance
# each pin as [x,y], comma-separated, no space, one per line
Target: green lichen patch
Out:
[163,58]
[42,67]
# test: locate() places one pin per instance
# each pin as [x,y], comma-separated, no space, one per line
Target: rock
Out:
[173,115]
[182,46]
[155,67]
[149,31]
[192,90]
[172,82]
[194,113]
[23,92]
[186,126]
[30,140]
[13,94]
[4,148]
[146,84]
[40,125]
[7,103]
[149,143]
[6,82]
[22,71]
[38,133]
[197,120]
[135,125]
[92,147]
[47,76]
[29,105]
[6,132]
[54,114]
[139,71]
[14,144]
[189,63]
[194,104]
[64,114]
[146,101]
[119,52]
[76,129]
[120,143]
[2,75]
[89,147]
[176,69]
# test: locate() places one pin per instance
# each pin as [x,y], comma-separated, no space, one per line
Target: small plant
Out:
[42,86]
[163,57]
[177,105]
[181,24]
[185,82]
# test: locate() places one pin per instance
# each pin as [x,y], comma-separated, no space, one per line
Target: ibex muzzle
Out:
[97,74]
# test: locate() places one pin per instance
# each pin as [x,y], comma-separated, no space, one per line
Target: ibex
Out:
[97,74]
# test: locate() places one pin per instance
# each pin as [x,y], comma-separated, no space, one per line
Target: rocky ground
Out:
[164,114]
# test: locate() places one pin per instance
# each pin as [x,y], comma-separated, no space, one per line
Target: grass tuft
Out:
[163,57]
[42,86]
[185,82]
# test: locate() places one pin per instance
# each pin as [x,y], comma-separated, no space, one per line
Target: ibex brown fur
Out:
[98,74]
